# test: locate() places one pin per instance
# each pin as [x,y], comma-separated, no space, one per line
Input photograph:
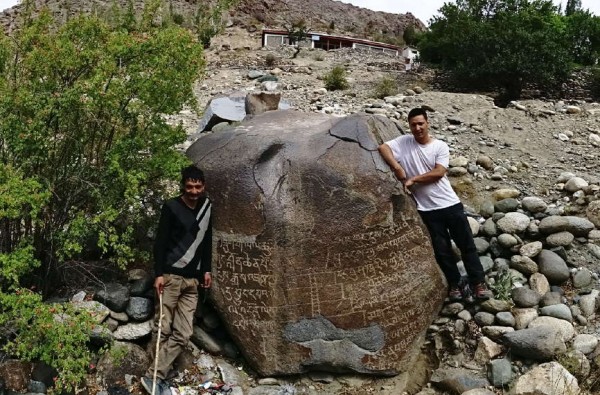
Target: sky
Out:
[423,9]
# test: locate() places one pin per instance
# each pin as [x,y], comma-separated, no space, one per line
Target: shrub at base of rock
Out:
[316,248]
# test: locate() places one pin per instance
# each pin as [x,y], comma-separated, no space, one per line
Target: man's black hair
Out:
[415,112]
[191,173]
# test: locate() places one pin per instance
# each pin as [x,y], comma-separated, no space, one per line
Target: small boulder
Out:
[553,267]
[546,379]
[540,343]
[593,212]
[525,297]
[534,204]
[513,223]
[565,328]
[531,249]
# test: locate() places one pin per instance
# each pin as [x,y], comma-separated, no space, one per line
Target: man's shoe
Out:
[482,292]
[162,388]
[454,293]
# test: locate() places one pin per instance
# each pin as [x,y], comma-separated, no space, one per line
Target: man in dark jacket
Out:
[182,262]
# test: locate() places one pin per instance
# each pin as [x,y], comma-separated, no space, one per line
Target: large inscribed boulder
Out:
[321,261]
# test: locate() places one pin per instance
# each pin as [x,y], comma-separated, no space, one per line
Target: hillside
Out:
[250,14]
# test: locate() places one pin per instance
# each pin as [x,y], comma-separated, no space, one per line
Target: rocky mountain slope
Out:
[319,15]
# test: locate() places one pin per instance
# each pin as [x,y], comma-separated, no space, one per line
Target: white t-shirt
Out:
[417,159]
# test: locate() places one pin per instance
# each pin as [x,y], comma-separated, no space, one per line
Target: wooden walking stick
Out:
[160,317]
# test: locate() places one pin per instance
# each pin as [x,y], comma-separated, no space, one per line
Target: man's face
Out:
[192,189]
[419,127]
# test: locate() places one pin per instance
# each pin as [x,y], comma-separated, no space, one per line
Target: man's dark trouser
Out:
[451,222]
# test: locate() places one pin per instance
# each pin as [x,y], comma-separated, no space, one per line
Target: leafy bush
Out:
[209,20]
[502,44]
[52,333]
[85,154]
[270,60]
[336,79]
[503,286]
[595,82]
[386,86]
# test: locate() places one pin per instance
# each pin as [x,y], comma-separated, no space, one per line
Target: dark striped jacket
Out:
[183,243]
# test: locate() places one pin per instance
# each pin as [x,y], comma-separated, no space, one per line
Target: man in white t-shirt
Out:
[420,161]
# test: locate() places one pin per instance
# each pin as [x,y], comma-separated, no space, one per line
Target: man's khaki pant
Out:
[180,296]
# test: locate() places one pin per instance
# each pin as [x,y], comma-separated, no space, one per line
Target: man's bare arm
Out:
[388,157]
[432,176]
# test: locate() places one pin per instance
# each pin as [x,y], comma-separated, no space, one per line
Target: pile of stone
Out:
[125,314]
[542,323]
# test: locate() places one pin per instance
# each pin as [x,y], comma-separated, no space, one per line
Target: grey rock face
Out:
[231,108]
[141,286]
[513,223]
[551,298]
[553,267]
[489,228]
[500,372]
[457,381]
[539,344]
[95,309]
[531,250]
[507,205]
[482,245]
[523,264]
[484,319]
[140,309]
[585,343]
[539,283]
[523,317]
[114,296]
[575,184]
[507,240]
[560,311]
[593,213]
[487,209]
[546,379]
[133,331]
[588,303]
[525,297]
[534,204]
[582,278]
[576,225]
[560,239]
[505,318]
[312,198]
[565,328]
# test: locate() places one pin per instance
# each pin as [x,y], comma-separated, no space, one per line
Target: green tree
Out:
[583,32]
[297,32]
[572,7]
[209,19]
[82,109]
[336,79]
[500,43]
[85,150]
[411,36]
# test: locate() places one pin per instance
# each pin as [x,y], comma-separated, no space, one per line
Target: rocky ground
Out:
[528,175]
[532,163]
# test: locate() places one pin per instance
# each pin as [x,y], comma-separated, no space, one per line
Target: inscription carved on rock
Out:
[320,260]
